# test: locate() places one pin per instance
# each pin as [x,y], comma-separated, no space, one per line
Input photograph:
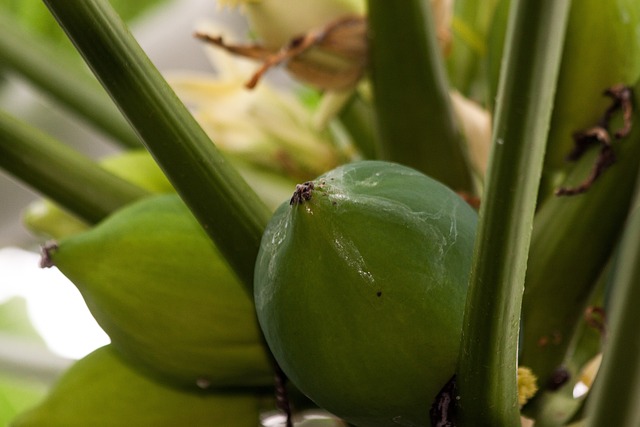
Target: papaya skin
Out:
[360,290]
[160,289]
[101,390]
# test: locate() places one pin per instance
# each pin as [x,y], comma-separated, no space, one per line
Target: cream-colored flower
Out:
[267,127]
[476,126]
[323,43]
[276,22]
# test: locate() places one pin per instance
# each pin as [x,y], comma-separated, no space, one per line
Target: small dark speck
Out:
[559,377]
[379,293]
[334,203]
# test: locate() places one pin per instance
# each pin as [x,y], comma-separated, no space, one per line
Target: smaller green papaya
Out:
[101,390]
[360,288]
[165,296]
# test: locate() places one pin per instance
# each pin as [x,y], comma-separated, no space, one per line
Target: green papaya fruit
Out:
[138,167]
[165,296]
[360,287]
[101,390]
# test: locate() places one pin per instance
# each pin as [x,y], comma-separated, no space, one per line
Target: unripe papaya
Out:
[165,296]
[360,287]
[101,390]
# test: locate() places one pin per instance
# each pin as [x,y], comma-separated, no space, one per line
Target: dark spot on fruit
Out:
[559,377]
[379,293]
[302,193]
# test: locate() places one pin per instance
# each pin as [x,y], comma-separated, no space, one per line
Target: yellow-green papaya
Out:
[101,390]
[165,296]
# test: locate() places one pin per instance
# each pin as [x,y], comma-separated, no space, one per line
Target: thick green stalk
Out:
[72,180]
[488,354]
[225,205]
[615,395]
[50,69]
[415,117]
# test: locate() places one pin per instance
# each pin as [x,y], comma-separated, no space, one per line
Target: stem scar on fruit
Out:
[302,193]
[45,254]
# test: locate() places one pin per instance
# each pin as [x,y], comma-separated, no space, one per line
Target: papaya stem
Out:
[51,70]
[60,173]
[612,402]
[224,204]
[487,363]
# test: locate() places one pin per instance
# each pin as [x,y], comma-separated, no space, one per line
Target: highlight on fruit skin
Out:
[360,288]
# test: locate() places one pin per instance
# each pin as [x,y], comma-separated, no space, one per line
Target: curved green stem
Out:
[415,118]
[615,395]
[49,68]
[60,173]
[227,208]
[488,354]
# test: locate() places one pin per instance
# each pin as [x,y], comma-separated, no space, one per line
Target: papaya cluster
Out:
[183,329]
[360,282]
[185,345]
